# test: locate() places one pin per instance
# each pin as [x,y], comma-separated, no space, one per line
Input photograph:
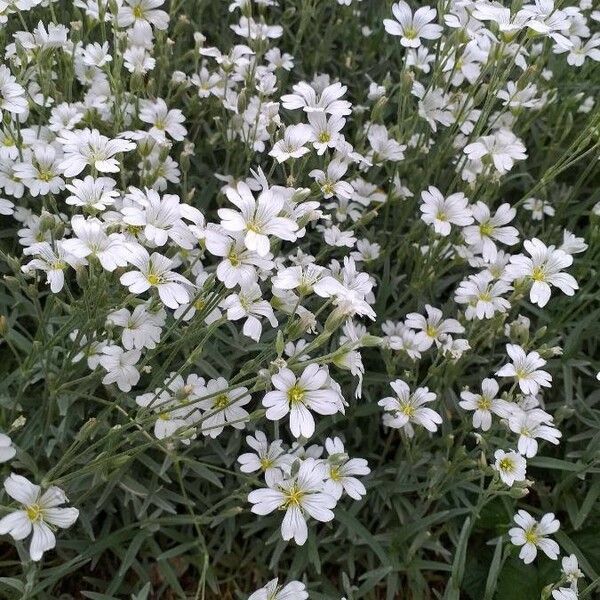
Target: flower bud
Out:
[4,327]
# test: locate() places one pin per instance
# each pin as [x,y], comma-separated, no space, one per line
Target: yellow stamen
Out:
[295,394]
[34,513]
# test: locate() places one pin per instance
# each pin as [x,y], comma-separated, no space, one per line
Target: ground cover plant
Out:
[299,299]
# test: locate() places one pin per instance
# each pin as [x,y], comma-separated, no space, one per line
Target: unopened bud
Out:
[3,325]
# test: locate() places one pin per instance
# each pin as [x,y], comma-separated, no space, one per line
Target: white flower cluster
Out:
[281,260]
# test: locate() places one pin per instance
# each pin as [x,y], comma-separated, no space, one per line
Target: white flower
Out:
[483,298]
[96,55]
[257,218]
[531,535]
[409,341]
[491,228]
[299,496]
[91,240]
[303,278]
[432,327]
[420,58]
[525,369]
[298,396]
[328,101]
[503,147]
[12,95]
[223,407]
[53,261]
[39,512]
[580,50]
[507,22]
[92,193]
[330,183]
[141,328]
[163,120]
[383,147]
[294,590]
[239,265]
[511,466]
[334,236]
[292,144]
[572,244]
[120,366]
[484,404]
[176,405]
[530,425]
[161,217]
[142,11]
[538,208]
[325,133]
[64,116]
[137,60]
[571,570]
[406,408]
[564,593]
[434,105]
[88,147]
[7,449]
[248,304]
[543,269]
[411,27]
[256,30]
[155,271]
[270,459]
[40,171]
[542,17]
[441,212]
[6,207]
[342,469]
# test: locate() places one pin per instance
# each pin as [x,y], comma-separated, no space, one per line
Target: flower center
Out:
[295,394]
[134,229]
[486,230]
[266,463]
[221,401]
[328,188]
[293,497]
[442,216]
[34,513]
[410,33]
[233,259]
[538,274]
[138,12]
[506,464]
[521,373]
[153,279]
[324,137]
[335,473]
[484,403]
[431,331]
[408,409]
[45,175]
[531,536]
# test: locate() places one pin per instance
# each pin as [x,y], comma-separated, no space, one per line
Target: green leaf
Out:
[357,528]
[458,566]
[495,566]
